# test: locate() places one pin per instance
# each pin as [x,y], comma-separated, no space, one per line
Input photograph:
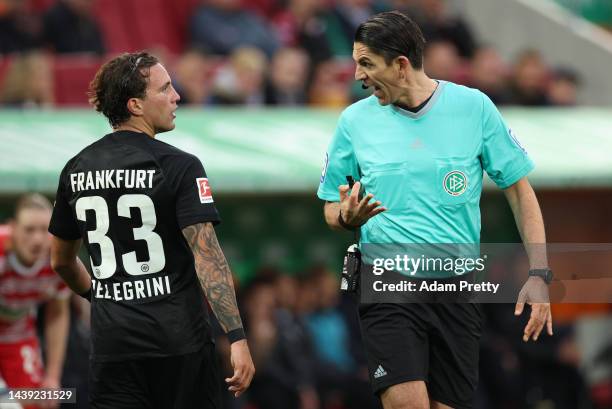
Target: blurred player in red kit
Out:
[27,281]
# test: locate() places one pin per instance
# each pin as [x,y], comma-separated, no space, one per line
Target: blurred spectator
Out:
[28,81]
[221,26]
[327,325]
[342,379]
[342,22]
[563,88]
[26,282]
[288,76]
[280,345]
[529,80]
[327,91]
[438,24]
[241,81]
[488,74]
[69,27]
[19,29]
[441,61]
[191,78]
[300,25]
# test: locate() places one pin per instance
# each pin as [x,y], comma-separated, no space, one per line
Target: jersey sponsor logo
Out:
[204,190]
[380,372]
[325,164]
[455,183]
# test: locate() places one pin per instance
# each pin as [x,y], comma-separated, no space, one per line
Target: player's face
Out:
[372,70]
[160,104]
[29,234]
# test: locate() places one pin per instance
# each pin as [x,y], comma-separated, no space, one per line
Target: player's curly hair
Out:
[118,80]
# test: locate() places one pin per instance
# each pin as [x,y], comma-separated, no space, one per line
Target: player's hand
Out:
[535,293]
[356,212]
[240,357]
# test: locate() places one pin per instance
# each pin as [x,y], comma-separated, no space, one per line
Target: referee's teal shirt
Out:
[426,167]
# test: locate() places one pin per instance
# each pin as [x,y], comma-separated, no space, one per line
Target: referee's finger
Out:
[542,314]
[540,322]
[343,189]
[371,206]
[355,192]
[520,303]
[549,323]
[365,201]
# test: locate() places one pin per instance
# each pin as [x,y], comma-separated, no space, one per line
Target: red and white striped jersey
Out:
[22,289]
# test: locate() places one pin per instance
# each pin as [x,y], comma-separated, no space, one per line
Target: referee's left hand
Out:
[240,357]
[534,292]
[354,211]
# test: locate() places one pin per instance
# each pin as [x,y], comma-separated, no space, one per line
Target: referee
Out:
[418,147]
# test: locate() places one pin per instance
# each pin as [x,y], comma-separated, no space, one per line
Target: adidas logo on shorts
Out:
[379,372]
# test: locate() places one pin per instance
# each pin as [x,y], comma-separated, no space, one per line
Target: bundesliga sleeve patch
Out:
[204,190]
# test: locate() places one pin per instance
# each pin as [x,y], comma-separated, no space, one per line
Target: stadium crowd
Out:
[248,53]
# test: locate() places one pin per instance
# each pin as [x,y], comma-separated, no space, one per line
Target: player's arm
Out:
[57,321]
[216,280]
[65,261]
[530,224]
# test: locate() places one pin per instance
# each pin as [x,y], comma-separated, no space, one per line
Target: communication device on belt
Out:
[349,281]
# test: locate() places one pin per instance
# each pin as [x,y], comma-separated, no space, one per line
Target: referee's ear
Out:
[404,66]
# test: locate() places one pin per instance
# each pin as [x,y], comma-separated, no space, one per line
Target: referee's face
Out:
[372,70]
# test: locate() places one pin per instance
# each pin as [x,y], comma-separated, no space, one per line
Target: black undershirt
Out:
[420,106]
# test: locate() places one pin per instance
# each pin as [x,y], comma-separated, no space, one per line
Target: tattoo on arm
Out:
[214,274]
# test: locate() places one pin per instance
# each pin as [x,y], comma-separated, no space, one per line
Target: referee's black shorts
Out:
[187,381]
[434,342]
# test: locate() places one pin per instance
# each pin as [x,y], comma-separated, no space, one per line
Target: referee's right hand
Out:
[240,357]
[355,212]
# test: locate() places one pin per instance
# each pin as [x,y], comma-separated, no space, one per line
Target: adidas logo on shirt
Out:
[379,372]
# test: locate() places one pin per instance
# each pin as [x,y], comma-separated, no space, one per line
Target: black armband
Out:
[87,294]
[345,225]
[236,335]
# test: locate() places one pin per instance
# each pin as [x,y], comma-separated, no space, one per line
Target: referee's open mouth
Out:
[376,88]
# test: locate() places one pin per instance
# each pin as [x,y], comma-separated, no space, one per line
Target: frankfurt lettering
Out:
[112,179]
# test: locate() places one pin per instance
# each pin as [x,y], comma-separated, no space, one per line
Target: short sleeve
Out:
[339,162]
[63,223]
[503,157]
[194,198]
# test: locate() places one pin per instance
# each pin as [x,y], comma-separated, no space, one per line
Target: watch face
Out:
[549,276]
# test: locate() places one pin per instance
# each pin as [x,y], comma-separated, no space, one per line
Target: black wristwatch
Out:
[545,273]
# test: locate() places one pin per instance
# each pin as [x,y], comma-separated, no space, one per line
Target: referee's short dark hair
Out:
[392,34]
[118,80]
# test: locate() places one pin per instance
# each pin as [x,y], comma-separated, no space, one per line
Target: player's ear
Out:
[134,105]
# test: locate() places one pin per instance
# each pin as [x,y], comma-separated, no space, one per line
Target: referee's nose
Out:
[359,74]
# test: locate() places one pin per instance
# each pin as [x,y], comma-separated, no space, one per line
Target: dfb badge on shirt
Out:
[204,190]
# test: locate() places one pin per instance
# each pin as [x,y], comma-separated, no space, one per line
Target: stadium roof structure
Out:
[281,150]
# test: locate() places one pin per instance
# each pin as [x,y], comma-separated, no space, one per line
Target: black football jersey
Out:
[128,196]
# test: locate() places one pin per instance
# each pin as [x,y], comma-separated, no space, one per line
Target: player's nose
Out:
[175,96]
